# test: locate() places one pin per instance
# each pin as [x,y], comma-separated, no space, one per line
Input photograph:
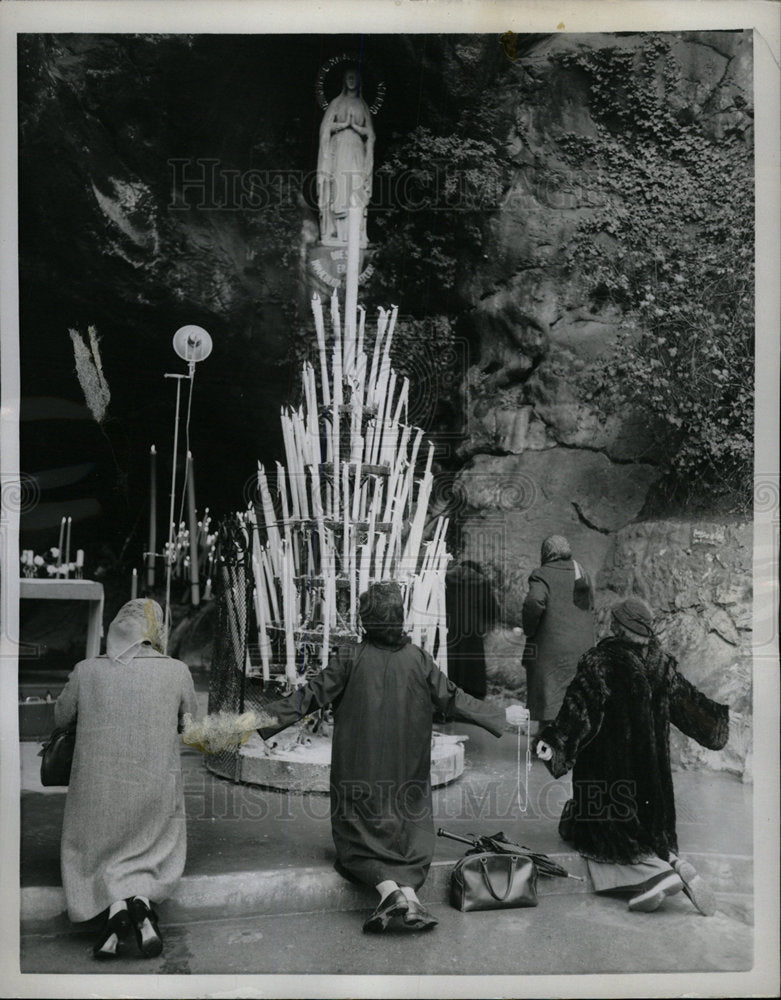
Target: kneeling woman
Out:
[383,692]
[124,836]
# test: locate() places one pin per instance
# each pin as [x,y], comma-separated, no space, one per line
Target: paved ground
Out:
[564,934]
[259,894]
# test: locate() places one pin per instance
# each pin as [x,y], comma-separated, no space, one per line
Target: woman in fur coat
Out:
[613,732]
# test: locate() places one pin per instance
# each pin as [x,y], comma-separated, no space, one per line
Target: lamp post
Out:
[192,344]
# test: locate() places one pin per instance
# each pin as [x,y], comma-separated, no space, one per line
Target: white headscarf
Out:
[139,623]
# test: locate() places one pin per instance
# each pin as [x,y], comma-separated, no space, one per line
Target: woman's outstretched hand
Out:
[516,715]
[543,751]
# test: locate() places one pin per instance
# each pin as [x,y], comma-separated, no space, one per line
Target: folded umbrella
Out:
[499,844]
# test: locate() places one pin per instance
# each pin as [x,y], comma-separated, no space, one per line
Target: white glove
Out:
[516,715]
[543,751]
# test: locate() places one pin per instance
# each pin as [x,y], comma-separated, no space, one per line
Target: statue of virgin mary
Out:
[345,162]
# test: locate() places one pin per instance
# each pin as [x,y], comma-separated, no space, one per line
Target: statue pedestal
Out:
[327,267]
[307,766]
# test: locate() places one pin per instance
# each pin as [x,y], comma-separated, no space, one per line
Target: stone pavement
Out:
[259,881]
[564,934]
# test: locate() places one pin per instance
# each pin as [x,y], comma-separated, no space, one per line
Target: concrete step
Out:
[320,889]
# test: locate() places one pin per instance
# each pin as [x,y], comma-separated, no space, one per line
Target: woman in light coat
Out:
[124,836]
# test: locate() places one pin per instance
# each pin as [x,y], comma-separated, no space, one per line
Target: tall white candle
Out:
[336,464]
[346,523]
[338,367]
[271,588]
[312,422]
[287,435]
[327,606]
[288,596]
[303,458]
[270,519]
[317,309]
[262,612]
[357,492]
[356,441]
[378,556]
[287,529]
[382,323]
[354,216]
[363,575]
[195,589]
[368,447]
[359,346]
[61,542]
[68,547]
[353,571]
[134,585]
[317,503]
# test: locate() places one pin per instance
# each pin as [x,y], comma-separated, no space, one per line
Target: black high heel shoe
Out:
[115,931]
[148,937]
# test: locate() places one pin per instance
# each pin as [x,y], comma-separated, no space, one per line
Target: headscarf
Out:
[382,613]
[138,623]
[555,547]
[636,616]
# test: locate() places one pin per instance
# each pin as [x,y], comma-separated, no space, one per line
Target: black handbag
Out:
[493,881]
[57,756]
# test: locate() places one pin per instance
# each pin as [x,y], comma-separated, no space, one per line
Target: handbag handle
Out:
[487,878]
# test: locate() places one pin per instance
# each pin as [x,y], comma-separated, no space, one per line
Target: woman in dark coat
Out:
[471,613]
[613,731]
[558,622]
[383,692]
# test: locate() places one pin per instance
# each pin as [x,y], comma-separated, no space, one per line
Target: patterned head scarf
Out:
[382,613]
[138,623]
[555,547]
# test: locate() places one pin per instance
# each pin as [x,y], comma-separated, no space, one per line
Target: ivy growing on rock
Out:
[672,247]
[433,194]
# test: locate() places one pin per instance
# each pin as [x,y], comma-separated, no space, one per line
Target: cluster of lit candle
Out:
[205,544]
[350,509]
[52,564]
[191,553]
[57,561]
[180,554]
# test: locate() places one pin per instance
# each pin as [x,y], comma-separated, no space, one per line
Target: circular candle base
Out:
[307,767]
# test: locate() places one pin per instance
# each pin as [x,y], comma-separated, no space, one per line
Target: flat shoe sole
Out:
[421,925]
[378,924]
[418,918]
[652,899]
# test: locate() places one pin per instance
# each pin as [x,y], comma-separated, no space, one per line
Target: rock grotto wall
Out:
[538,458]
[104,240]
